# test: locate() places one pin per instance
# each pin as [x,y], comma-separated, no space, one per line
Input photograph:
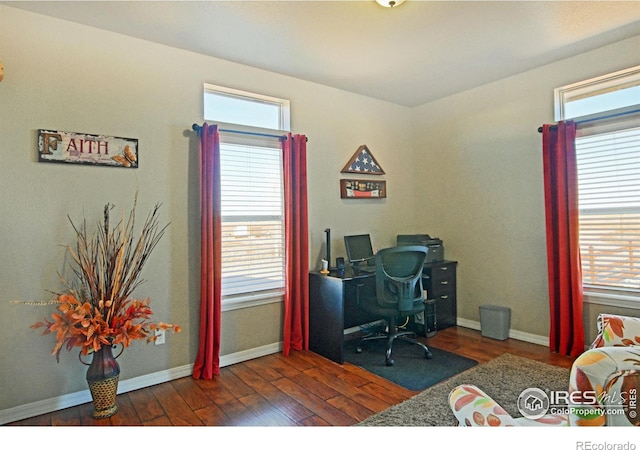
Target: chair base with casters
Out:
[393,333]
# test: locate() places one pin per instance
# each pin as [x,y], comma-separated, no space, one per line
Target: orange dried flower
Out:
[98,309]
[79,325]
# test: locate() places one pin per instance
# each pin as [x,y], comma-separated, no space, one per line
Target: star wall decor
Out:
[363,162]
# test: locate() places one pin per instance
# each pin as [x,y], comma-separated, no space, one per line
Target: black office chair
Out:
[399,294]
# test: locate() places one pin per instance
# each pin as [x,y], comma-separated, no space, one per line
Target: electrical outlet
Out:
[159,337]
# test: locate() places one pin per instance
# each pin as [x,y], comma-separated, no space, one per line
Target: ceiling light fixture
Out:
[389,3]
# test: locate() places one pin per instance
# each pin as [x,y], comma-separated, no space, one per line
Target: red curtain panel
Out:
[207,363]
[296,297]
[566,334]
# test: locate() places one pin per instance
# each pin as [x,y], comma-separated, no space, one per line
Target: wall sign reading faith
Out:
[79,148]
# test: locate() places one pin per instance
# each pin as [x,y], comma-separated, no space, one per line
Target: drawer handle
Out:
[444,297]
[444,283]
[444,268]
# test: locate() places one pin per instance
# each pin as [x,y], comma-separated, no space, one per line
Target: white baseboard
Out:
[246,355]
[514,334]
[78,398]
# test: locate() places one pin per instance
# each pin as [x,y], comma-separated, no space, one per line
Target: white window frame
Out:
[612,119]
[283,105]
[591,88]
[247,134]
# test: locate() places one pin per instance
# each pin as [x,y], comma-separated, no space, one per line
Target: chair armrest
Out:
[603,387]
[473,408]
[617,331]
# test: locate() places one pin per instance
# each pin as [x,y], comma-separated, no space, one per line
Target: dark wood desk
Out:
[333,307]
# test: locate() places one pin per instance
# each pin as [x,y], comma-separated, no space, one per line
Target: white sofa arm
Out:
[617,331]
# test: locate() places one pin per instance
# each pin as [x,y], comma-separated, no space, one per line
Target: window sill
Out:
[612,298]
[251,300]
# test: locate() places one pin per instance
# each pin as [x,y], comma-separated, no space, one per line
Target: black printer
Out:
[434,245]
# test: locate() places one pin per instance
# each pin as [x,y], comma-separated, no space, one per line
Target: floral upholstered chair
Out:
[604,385]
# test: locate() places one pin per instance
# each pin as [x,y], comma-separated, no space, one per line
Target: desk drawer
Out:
[443,271]
[445,284]
[439,279]
[446,311]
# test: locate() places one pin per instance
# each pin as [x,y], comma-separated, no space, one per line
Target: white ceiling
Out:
[410,54]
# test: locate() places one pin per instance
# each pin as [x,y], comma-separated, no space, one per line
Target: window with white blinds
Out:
[251,192]
[609,203]
[606,110]
[252,217]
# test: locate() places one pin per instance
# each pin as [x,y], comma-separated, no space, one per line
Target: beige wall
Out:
[482,189]
[466,169]
[62,76]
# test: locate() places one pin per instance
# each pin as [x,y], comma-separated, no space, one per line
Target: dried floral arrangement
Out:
[96,308]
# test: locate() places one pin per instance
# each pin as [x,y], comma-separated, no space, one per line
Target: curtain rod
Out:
[593,119]
[197,127]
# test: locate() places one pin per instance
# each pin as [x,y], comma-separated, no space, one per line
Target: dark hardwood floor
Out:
[303,389]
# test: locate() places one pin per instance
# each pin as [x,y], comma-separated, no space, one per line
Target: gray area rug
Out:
[502,378]
[411,369]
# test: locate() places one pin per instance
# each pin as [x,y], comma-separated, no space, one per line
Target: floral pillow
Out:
[615,330]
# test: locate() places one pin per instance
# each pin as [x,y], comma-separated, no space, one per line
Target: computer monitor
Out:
[359,248]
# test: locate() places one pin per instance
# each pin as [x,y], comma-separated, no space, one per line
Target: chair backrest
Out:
[399,276]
